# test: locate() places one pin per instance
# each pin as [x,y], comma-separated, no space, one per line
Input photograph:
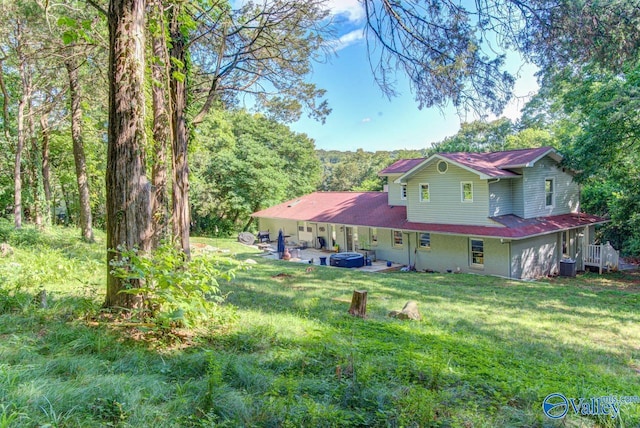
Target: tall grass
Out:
[485,354]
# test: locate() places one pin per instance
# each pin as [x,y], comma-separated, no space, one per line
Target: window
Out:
[442,167]
[424,192]
[425,241]
[300,228]
[466,188]
[477,253]
[397,238]
[548,192]
[374,236]
[403,192]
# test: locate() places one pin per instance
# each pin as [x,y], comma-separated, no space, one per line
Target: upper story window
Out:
[425,195]
[425,241]
[397,238]
[403,192]
[548,192]
[466,188]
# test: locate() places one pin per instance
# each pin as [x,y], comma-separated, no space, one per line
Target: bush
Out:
[176,293]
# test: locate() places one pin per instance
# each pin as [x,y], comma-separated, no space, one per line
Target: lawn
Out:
[283,351]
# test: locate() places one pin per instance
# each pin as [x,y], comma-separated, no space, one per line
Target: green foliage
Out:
[478,136]
[175,292]
[242,163]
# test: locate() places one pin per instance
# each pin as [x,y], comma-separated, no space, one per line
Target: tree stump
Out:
[359,303]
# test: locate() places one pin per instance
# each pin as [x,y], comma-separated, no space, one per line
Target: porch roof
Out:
[371,209]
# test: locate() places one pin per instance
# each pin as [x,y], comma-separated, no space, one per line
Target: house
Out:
[512,213]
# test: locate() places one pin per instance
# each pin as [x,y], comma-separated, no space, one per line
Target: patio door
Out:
[349,237]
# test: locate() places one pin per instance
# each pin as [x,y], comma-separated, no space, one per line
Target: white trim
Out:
[393,238]
[553,192]
[420,192]
[462,199]
[403,192]
[446,166]
[471,263]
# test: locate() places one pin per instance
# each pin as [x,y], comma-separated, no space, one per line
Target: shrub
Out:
[176,293]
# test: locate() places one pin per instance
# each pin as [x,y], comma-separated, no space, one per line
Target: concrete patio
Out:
[313,256]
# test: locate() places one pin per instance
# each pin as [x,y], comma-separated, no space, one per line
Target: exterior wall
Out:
[289,227]
[395,192]
[566,192]
[536,257]
[446,204]
[501,197]
[453,253]
[386,251]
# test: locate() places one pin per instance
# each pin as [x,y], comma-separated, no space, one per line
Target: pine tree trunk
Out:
[46,170]
[17,169]
[36,169]
[181,217]
[82,177]
[128,190]
[161,125]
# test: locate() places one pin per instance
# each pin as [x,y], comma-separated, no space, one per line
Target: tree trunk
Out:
[46,170]
[128,191]
[82,177]
[36,169]
[161,125]
[17,169]
[359,303]
[181,217]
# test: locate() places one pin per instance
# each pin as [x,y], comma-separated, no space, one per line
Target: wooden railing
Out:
[602,256]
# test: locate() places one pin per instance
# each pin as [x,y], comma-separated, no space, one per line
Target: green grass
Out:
[283,351]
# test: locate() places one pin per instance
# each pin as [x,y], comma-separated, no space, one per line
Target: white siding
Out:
[501,197]
[445,205]
[566,191]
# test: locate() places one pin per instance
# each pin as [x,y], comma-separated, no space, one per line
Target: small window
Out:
[322,229]
[403,192]
[309,229]
[442,167]
[477,253]
[397,238]
[466,188]
[374,236]
[548,192]
[425,241]
[300,228]
[424,192]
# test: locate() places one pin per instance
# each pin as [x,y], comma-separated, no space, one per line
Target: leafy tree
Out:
[478,136]
[454,51]
[244,163]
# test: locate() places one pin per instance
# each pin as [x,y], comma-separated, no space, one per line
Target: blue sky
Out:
[363,117]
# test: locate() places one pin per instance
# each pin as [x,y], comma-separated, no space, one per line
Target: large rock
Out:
[409,312]
[5,250]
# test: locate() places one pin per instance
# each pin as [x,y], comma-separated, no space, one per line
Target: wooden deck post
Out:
[359,303]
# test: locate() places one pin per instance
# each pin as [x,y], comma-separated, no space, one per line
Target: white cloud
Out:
[366,120]
[352,9]
[346,40]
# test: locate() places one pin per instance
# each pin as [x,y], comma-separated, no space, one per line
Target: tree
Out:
[243,163]
[82,178]
[454,51]
[478,136]
[128,191]
[260,49]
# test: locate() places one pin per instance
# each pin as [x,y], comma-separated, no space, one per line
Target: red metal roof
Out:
[401,166]
[493,165]
[372,209]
